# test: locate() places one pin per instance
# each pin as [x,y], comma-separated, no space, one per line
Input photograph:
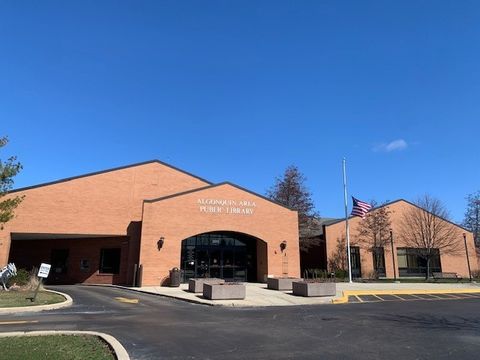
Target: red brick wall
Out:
[180,217]
[109,203]
[31,253]
[450,263]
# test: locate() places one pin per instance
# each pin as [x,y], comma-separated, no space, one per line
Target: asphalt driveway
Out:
[152,327]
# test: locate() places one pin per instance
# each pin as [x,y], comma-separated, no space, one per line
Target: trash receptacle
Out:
[175,277]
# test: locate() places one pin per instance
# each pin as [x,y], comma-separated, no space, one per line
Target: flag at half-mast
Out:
[360,208]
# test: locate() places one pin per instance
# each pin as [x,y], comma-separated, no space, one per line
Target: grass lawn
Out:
[71,347]
[21,298]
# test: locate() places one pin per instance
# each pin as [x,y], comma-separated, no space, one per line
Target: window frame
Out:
[115,267]
[411,256]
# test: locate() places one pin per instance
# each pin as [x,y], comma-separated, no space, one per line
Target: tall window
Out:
[109,261]
[356,263]
[379,260]
[413,262]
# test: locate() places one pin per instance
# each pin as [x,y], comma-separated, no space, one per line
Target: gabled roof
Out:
[110,170]
[393,202]
[315,228]
[214,186]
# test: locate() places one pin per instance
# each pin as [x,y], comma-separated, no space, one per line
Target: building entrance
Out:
[226,255]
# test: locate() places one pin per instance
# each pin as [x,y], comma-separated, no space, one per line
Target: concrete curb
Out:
[346,293]
[118,349]
[35,308]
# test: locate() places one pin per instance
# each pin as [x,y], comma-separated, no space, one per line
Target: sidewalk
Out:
[258,295]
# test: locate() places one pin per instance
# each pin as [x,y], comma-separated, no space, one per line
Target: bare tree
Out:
[373,232]
[426,227]
[290,190]
[338,260]
[472,216]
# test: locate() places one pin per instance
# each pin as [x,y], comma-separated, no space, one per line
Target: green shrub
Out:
[21,279]
[315,274]
[341,274]
[476,274]
[372,275]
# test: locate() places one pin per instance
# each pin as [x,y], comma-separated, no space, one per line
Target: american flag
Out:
[360,208]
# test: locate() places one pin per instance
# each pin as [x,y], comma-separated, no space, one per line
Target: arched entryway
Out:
[228,255]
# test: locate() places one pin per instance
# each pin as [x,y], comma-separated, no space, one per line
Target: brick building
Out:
[133,224]
[404,260]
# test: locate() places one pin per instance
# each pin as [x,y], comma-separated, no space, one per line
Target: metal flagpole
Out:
[347,229]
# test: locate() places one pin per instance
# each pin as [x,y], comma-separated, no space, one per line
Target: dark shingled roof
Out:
[318,224]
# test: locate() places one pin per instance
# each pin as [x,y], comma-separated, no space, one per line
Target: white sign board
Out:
[44,270]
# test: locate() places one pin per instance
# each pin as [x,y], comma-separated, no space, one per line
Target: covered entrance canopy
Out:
[227,255]
[75,258]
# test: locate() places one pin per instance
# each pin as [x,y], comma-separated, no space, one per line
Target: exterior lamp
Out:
[283,246]
[160,243]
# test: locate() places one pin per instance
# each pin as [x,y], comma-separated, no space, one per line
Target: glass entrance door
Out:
[225,255]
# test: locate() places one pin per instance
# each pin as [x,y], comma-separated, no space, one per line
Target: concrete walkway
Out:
[259,295]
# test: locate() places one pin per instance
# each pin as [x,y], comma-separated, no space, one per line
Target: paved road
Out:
[159,328]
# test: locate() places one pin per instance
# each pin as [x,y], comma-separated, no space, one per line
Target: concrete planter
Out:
[308,289]
[227,291]
[281,283]
[196,285]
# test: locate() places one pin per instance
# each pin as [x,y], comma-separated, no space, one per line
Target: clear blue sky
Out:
[238,90]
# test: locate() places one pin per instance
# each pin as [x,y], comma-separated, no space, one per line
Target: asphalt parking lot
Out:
[410,297]
[152,327]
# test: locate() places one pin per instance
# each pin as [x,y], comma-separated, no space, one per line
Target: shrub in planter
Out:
[226,291]
[315,273]
[316,287]
[281,283]
[196,285]
[21,279]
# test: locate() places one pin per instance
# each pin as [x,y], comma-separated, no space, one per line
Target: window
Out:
[84,265]
[413,262]
[355,261]
[59,259]
[109,261]
[402,258]
[379,260]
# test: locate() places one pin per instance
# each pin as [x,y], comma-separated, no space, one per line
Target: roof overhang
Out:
[50,236]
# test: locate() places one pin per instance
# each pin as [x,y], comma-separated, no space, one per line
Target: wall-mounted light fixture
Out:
[160,243]
[283,245]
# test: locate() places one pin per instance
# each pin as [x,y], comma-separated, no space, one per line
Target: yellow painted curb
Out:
[347,293]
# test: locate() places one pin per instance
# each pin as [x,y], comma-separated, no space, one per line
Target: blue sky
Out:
[238,90]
